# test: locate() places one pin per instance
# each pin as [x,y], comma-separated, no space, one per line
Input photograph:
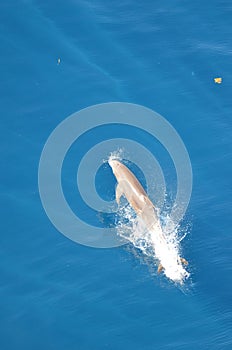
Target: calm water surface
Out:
[55,294]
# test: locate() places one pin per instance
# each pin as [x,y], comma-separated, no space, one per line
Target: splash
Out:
[119,154]
[160,242]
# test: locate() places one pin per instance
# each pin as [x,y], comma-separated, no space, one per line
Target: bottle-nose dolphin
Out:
[129,186]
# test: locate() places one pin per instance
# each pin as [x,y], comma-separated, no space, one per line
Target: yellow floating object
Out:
[218,80]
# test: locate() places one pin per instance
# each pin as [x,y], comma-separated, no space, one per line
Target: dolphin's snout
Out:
[113,163]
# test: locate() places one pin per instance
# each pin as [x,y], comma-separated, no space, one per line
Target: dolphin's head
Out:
[115,166]
[114,163]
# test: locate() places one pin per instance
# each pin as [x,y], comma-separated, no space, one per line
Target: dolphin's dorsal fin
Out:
[119,193]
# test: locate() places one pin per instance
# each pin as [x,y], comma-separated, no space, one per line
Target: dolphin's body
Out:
[130,187]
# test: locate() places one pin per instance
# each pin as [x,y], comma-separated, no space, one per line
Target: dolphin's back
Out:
[129,177]
[136,196]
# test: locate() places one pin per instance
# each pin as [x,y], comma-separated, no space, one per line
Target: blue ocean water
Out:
[54,293]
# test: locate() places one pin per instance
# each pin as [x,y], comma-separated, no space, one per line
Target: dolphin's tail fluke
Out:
[160,268]
[185,262]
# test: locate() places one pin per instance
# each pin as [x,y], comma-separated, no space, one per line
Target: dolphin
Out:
[129,186]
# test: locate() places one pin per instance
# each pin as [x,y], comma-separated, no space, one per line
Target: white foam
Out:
[155,243]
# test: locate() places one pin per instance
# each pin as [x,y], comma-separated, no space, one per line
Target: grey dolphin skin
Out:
[130,187]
